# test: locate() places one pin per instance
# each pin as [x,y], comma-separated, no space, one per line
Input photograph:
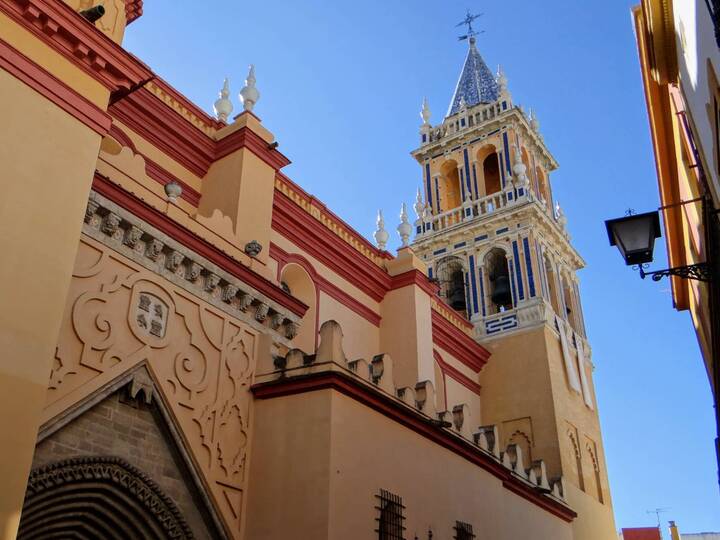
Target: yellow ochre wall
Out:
[332,457]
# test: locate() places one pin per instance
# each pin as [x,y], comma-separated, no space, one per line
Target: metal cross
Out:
[469,18]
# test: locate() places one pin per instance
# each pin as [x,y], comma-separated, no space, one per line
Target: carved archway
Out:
[98,497]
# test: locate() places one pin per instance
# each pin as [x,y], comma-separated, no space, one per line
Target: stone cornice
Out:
[456,342]
[61,28]
[160,251]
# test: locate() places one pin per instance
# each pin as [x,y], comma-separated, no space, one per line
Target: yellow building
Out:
[679,49]
[195,347]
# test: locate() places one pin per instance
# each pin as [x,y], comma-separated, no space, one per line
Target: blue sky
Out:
[341,86]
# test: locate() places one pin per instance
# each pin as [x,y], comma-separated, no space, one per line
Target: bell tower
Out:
[495,240]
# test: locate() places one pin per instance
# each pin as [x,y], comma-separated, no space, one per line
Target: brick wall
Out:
[130,430]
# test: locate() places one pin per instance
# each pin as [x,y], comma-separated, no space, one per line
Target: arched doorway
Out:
[297,282]
[98,497]
[449,186]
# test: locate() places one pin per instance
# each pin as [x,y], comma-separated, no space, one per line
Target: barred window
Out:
[391,519]
[463,531]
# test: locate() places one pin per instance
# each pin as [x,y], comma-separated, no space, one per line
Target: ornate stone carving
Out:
[245,301]
[132,236]
[193,271]
[118,315]
[173,260]
[261,312]
[110,224]
[291,330]
[91,210]
[154,248]
[253,248]
[276,320]
[229,292]
[211,282]
[118,481]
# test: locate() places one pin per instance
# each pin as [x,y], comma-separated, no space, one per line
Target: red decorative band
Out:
[415,277]
[457,343]
[203,248]
[415,421]
[52,88]
[456,374]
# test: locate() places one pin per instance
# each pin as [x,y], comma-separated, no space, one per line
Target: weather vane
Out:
[471,33]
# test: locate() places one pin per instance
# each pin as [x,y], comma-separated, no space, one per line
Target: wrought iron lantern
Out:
[635,234]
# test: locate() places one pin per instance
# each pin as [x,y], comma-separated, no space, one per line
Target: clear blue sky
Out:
[342,83]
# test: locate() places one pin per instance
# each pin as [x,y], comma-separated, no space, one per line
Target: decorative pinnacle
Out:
[249,95]
[519,170]
[534,122]
[381,235]
[425,112]
[501,80]
[418,206]
[404,229]
[223,106]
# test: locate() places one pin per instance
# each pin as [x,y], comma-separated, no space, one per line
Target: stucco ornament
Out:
[173,190]
[223,106]
[249,95]
[501,80]
[418,206]
[381,235]
[404,229]
[519,170]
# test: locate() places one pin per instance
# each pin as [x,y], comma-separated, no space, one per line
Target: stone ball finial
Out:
[173,190]
[381,235]
[425,112]
[223,106]
[249,95]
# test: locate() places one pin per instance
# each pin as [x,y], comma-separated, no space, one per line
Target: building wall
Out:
[357,466]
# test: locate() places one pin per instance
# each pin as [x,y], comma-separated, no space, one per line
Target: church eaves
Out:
[476,84]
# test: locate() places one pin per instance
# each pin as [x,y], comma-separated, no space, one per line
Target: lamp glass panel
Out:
[635,238]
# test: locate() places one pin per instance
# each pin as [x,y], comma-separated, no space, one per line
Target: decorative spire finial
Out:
[249,95]
[381,235]
[425,112]
[468,20]
[534,122]
[404,229]
[418,206]
[223,106]
[501,80]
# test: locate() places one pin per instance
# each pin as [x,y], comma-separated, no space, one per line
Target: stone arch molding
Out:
[98,497]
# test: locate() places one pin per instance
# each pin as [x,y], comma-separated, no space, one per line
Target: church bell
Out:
[501,291]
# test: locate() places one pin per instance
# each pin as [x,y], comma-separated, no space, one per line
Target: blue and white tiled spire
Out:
[476,84]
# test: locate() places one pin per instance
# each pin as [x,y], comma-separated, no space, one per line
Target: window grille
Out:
[463,531]
[391,518]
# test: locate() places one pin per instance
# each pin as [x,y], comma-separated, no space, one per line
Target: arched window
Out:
[543,187]
[521,439]
[451,276]
[576,460]
[297,282]
[449,186]
[595,479]
[552,285]
[490,169]
[568,298]
[499,295]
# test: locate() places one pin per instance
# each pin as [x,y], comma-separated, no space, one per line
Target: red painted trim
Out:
[334,217]
[312,236]
[456,375]
[203,248]
[155,171]
[413,420]
[458,343]
[133,10]
[415,277]
[166,129]
[322,284]
[61,28]
[52,88]
[246,138]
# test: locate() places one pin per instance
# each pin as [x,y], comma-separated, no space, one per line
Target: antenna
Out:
[657,513]
[468,20]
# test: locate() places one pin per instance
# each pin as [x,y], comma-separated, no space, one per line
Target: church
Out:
[196,347]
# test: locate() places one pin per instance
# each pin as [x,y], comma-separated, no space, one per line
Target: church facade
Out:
[195,347]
